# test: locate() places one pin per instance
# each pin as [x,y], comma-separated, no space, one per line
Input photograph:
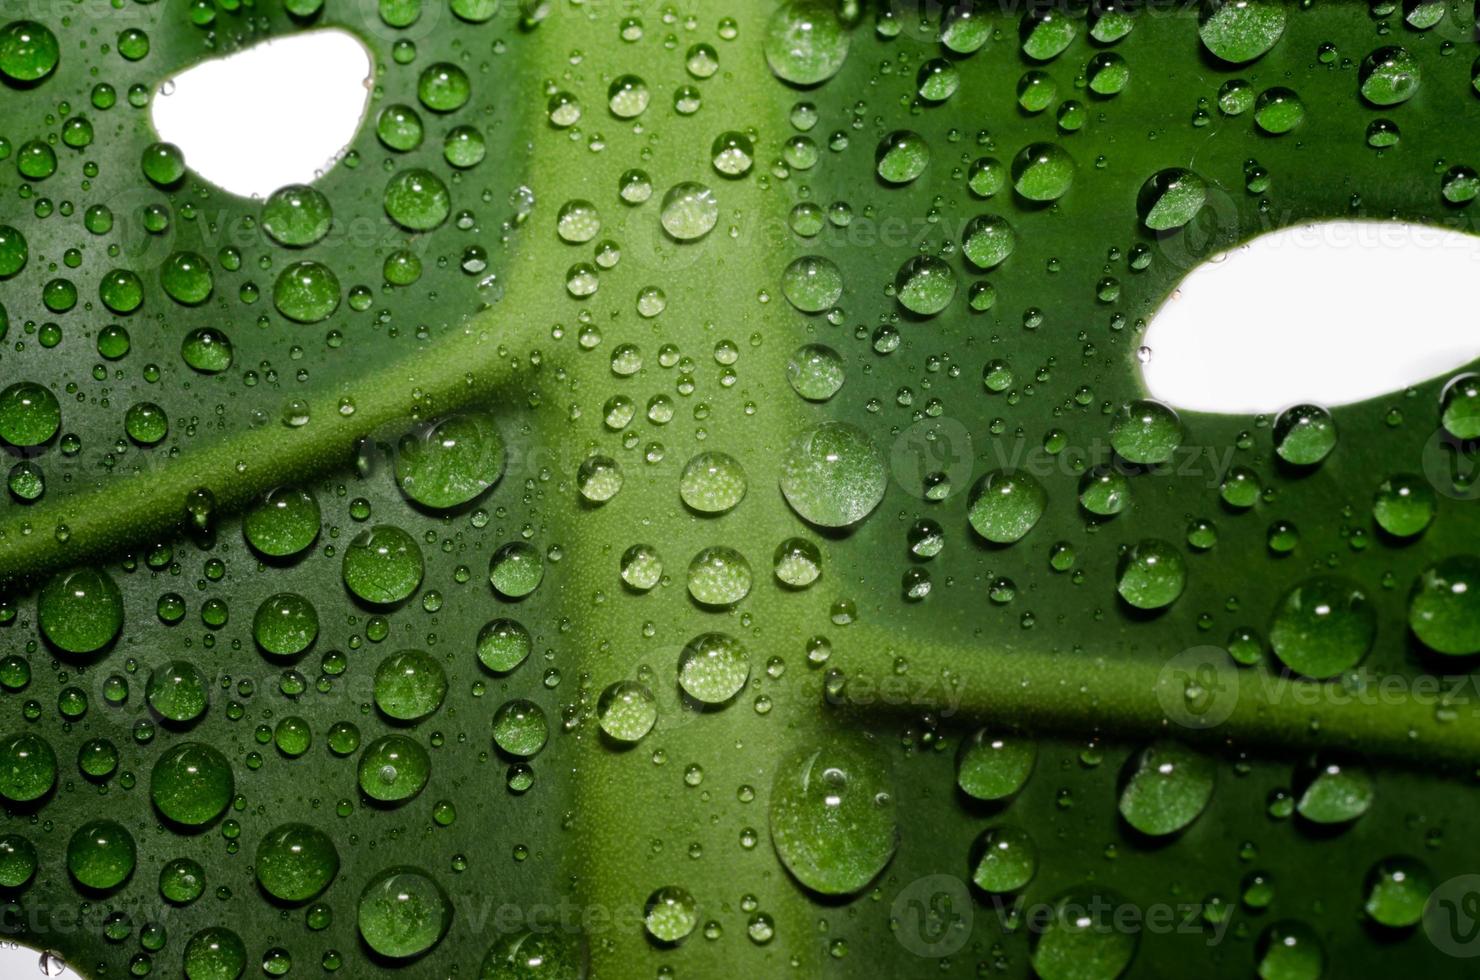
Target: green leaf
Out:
[643,510]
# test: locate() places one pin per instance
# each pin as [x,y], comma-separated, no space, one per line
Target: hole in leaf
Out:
[1330,313]
[279,113]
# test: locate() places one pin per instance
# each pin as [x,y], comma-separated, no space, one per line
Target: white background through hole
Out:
[275,114]
[1332,313]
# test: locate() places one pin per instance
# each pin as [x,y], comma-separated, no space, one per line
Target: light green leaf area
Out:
[579,534]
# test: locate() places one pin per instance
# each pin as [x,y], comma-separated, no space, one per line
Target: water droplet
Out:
[80,611]
[626,711]
[690,211]
[902,156]
[1005,860]
[1080,939]
[1398,889]
[295,862]
[285,625]
[1304,435]
[1389,76]
[1290,950]
[177,691]
[1042,172]
[29,414]
[641,567]
[284,523]
[393,769]
[1459,407]
[1151,575]
[28,52]
[403,912]
[719,576]
[812,283]
[1444,606]
[1323,626]
[1171,198]
[804,42]
[205,350]
[925,285]
[713,668]
[1167,786]
[417,200]
[503,644]
[382,565]
[28,767]
[296,216]
[520,728]
[214,953]
[1278,110]
[1005,504]
[832,817]
[1146,432]
[191,784]
[306,292]
[409,685]
[101,855]
[628,96]
[1331,792]
[1240,31]
[797,562]
[994,767]
[451,461]
[670,914]
[988,241]
[712,483]
[833,475]
[578,222]
[815,371]
[515,570]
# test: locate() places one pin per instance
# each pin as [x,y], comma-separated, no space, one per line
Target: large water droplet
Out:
[833,475]
[1167,786]
[403,912]
[1444,606]
[832,817]
[1239,31]
[80,611]
[1389,76]
[1323,626]
[450,462]
[1004,860]
[1081,939]
[712,483]
[191,784]
[1171,198]
[1005,504]
[28,767]
[690,211]
[994,767]
[804,42]
[713,668]
[1151,575]
[101,855]
[383,565]
[393,769]
[409,685]
[295,862]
